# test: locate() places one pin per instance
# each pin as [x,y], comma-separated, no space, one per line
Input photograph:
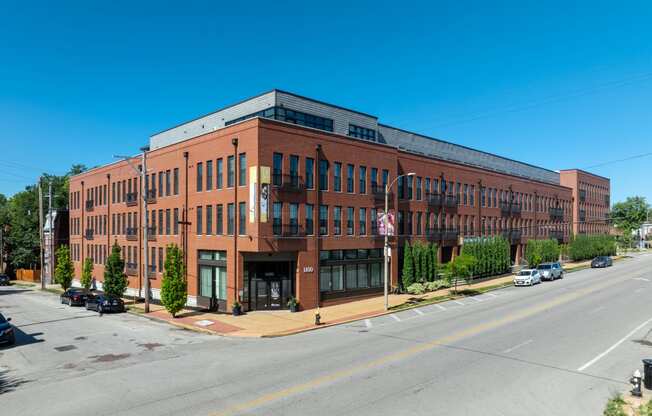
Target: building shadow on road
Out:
[13,292]
[9,383]
[23,338]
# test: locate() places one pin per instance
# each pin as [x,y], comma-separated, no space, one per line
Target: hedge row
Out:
[419,263]
[583,247]
[541,251]
[492,255]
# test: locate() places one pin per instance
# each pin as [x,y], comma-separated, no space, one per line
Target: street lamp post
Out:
[386,247]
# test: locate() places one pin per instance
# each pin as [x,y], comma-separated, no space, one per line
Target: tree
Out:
[407,277]
[174,285]
[115,280]
[65,270]
[630,214]
[87,273]
[462,267]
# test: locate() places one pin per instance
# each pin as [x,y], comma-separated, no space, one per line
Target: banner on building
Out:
[380,218]
[253,189]
[264,192]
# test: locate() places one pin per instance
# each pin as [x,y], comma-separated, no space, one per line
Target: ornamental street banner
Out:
[381,223]
[264,192]
[253,188]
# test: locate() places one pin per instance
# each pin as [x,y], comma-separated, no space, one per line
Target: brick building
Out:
[591,194]
[278,195]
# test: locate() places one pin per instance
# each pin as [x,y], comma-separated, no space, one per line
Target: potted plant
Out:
[293,304]
[236,309]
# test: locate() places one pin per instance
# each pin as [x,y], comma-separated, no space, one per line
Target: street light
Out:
[386,247]
[143,193]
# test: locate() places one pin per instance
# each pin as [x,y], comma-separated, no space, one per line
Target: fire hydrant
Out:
[635,381]
[317,317]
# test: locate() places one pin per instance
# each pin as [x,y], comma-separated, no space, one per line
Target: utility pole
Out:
[51,234]
[40,228]
[2,249]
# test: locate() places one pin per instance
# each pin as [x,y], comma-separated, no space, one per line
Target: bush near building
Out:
[87,273]
[541,251]
[584,247]
[419,263]
[173,286]
[492,255]
[115,279]
[65,269]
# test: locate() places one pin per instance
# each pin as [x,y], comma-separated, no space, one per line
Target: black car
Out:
[7,335]
[4,280]
[75,296]
[104,303]
[601,261]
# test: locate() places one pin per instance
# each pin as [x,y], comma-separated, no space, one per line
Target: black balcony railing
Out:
[556,214]
[132,233]
[434,199]
[452,201]
[131,199]
[582,216]
[582,195]
[89,205]
[151,196]
[510,208]
[442,234]
[88,234]
[556,235]
[288,183]
[131,269]
[151,270]
[513,236]
[151,233]
[288,230]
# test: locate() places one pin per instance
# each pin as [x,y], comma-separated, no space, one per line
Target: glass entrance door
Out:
[269,294]
[212,287]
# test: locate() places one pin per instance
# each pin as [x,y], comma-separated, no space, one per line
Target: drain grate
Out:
[65,348]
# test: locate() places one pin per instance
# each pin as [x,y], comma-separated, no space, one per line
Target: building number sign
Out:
[308,269]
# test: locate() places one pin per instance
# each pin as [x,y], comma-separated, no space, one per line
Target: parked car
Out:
[527,277]
[104,303]
[75,296]
[4,280]
[7,334]
[601,261]
[551,271]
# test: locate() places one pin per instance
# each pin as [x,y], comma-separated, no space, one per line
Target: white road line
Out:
[522,344]
[458,302]
[477,299]
[641,278]
[368,323]
[418,311]
[613,347]
[440,307]
[492,295]
[396,318]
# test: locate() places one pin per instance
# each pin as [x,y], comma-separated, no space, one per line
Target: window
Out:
[160,183]
[176,221]
[199,220]
[362,229]
[401,188]
[277,219]
[309,219]
[427,186]
[349,178]
[242,215]
[220,173]
[242,166]
[160,221]
[289,116]
[160,259]
[167,182]
[209,175]
[175,176]
[401,224]
[337,177]
[294,170]
[277,169]
[374,221]
[230,218]
[409,223]
[209,219]
[230,171]
[323,175]
[374,179]
[337,220]
[294,218]
[200,178]
[349,220]
[419,188]
[363,180]
[466,194]
[385,178]
[419,217]
[167,221]
[219,226]
[310,173]
[362,132]
[323,219]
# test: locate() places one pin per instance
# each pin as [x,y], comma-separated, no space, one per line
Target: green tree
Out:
[462,267]
[174,285]
[407,277]
[630,214]
[115,280]
[87,273]
[64,271]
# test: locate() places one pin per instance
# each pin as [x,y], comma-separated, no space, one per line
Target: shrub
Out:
[419,263]
[407,277]
[436,285]
[416,289]
[583,247]
[492,255]
[173,286]
[87,273]
[541,251]
[115,280]
[615,407]
[65,269]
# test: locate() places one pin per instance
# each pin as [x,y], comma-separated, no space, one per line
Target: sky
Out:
[553,84]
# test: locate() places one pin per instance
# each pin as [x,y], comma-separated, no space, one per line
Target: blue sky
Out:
[547,83]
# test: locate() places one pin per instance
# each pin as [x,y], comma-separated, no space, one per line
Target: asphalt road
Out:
[559,348]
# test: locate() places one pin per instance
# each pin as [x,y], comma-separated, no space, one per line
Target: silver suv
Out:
[551,271]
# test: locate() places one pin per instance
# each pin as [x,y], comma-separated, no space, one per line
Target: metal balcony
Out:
[556,235]
[442,234]
[434,199]
[288,230]
[452,201]
[556,214]
[132,233]
[131,199]
[513,236]
[510,209]
[89,205]
[151,270]
[151,196]
[131,269]
[288,183]
[88,234]
[151,233]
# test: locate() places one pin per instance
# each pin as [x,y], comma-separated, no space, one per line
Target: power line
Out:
[619,160]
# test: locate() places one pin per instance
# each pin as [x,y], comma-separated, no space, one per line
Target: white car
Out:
[527,277]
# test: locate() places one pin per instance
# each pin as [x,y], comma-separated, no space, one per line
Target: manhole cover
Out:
[65,348]
[204,322]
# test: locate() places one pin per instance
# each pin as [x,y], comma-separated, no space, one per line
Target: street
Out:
[558,348]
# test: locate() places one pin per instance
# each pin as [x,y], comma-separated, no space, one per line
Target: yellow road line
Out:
[409,352]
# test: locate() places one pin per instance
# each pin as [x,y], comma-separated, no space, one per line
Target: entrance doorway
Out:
[271,284]
[212,280]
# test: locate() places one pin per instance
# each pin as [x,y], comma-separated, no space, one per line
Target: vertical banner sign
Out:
[253,187]
[264,193]
[381,223]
